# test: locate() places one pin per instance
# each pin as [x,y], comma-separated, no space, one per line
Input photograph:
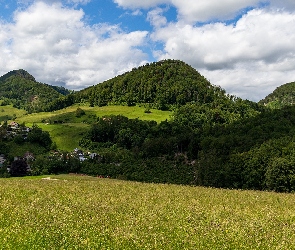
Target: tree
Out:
[18,168]
[79,112]
[38,136]
[280,175]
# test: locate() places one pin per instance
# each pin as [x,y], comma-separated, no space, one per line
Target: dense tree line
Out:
[238,144]
[207,148]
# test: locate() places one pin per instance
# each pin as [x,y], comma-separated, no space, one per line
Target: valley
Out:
[162,122]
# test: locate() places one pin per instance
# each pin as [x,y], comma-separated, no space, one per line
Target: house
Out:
[29,156]
[93,155]
[14,125]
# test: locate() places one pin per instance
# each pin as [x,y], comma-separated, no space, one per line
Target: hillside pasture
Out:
[81,212]
[8,113]
[66,129]
[69,113]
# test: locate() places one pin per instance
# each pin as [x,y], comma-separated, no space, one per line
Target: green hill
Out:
[19,88]
[281,96]
[162,85]
[21,73]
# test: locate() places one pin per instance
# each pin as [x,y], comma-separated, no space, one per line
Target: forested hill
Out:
[281,96]
[20,72]
[161,84]
[19,88]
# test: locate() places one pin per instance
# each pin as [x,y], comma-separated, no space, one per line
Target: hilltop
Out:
[283,95]
[19,88]
[21,73]
[162,85]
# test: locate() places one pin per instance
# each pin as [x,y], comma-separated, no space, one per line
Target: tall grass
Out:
[90,213]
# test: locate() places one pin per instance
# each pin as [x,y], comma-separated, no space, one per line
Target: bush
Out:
[18,168]
[280,175]
[3,172]
[80,112]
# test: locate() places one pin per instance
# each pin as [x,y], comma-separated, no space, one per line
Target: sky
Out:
[245,46]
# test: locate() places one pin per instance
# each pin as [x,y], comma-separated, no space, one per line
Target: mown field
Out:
[75,212]
[66,129]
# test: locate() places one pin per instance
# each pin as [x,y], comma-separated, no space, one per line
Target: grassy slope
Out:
[68,134]
[8,112]
[90,213]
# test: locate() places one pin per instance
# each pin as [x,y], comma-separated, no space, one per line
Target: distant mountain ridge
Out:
[167,84]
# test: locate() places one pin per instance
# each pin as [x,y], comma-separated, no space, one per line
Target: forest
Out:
[213,138]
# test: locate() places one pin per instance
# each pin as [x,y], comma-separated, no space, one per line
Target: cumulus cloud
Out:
[54,44]
[191,10]
[204,10]
[249,57]
[260,44]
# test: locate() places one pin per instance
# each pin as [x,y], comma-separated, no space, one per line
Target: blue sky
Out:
[244,46]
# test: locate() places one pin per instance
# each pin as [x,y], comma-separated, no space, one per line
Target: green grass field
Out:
[8,113]
[67,135]
[130,112]
[75,212]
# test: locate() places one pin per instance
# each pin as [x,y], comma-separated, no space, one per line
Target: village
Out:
[13,130]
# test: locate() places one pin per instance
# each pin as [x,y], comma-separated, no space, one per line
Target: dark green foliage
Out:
[140,150]
[60,103]
[118,130]
[280,175]
[62,90]
[164,85]
[18,168]
[40,137]
[4,173]
[80,112]
[19,88]
[27,94]
[241,155]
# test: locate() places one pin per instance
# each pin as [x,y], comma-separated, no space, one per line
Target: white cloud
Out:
[55,45]
[192,10]
[204,10]
[249,58]
[258,49]
[134,4]
[156,18]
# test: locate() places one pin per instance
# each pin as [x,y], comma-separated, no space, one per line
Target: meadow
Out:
[81,212]
[66,129]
